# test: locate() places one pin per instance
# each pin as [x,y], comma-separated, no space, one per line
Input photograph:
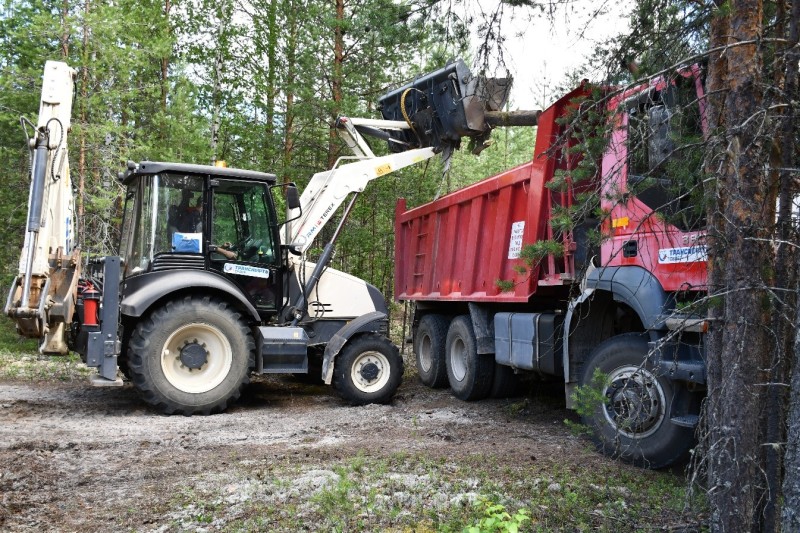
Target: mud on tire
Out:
[191,356]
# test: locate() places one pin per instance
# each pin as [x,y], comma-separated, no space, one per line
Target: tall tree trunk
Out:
[336,76]
[741,233]
[785,272]
[80,219]
[791,482]
[272,76]
[291,73]
[65,29]
[165,63]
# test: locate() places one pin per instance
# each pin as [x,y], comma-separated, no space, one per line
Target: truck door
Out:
[243,222]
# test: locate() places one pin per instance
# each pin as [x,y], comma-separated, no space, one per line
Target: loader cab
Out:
[207,221]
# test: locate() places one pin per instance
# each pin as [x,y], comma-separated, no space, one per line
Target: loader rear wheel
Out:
[429,347]
[631,416]
[368,370]
[470,374]
[191,356]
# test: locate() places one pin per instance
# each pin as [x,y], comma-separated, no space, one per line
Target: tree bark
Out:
[336,77]
[65,29]
[790,516]
[165,64]
[291,72]
[741,230]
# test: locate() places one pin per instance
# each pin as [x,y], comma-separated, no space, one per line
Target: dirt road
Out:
[292,457]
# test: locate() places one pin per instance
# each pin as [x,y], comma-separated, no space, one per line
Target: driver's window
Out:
[241,221]
[226,226]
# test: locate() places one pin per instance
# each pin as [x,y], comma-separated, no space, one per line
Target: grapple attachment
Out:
[443,107]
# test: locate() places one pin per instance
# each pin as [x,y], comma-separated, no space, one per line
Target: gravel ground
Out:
[286,457]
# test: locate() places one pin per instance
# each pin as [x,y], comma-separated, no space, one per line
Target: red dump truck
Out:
[616,315]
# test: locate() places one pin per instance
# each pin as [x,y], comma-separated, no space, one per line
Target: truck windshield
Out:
[163,214]
[665,153]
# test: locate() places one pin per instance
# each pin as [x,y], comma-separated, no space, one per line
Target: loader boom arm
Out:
[327,190]
[42,298]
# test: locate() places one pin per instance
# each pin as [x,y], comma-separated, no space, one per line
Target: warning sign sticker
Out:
[515,243]
[688,254]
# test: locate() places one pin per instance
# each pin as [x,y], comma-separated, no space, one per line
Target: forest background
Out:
[258,84]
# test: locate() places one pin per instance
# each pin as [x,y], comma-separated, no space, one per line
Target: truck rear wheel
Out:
[191,356]
[429,347]
[368,370]
[470,374]
[632,422]
[505,384]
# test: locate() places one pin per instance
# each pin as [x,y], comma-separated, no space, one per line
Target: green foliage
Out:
[587,398]
[497,519]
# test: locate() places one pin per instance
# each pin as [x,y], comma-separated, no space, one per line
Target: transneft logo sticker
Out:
[244,270]
[688,254]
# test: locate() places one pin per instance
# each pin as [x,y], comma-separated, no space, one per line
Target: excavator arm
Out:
[42,298]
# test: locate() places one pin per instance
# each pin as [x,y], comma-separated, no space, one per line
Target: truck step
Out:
[687,421]
[686,323]
[96,380]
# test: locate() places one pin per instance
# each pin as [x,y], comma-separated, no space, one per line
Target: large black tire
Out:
[429,347]
[470,374]
[505,384]
[191,356]
[633,422]
[369,369]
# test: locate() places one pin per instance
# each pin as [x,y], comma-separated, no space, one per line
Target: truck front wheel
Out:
[191,356]
[470,374]
[368,370]
[629,405]
[429,347]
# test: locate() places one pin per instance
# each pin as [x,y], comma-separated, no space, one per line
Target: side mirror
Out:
[292,197]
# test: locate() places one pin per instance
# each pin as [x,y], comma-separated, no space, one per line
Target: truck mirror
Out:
[659,140]
[292,197]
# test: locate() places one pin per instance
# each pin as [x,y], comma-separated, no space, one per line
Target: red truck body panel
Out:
[459,246]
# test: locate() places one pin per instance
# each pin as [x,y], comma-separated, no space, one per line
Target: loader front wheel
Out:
[191,356]
[368,370]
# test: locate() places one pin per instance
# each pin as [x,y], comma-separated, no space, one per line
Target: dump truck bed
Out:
[457,247]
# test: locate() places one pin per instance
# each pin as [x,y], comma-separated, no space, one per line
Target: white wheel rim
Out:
[458,359]
[425,353]
[635,404]
[364,365]
[218,354]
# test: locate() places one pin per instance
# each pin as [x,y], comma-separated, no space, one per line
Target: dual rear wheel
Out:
[447,355]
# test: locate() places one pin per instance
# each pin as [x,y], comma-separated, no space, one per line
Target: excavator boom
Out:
[41,299]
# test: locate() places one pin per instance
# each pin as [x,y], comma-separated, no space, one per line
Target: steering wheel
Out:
[247,247]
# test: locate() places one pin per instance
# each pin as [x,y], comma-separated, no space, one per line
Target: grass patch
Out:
[413,492]
[20,359]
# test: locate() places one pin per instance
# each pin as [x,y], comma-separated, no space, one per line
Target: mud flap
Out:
[368,322]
